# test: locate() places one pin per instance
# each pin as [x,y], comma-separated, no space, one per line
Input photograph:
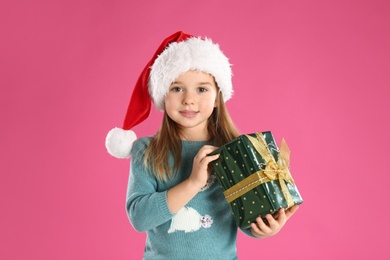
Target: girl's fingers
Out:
[207,149]
[272,223]
[261,226]
[256,231]
[211,158]
[203,154]
[200,168]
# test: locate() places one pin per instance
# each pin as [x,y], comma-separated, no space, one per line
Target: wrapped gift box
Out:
[254,174]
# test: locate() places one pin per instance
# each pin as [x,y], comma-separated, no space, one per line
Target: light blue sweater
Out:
[203,229]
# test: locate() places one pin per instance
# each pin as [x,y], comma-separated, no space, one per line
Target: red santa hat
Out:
[176,55]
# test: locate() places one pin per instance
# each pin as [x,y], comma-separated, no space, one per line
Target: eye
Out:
[176,89]
[202,89]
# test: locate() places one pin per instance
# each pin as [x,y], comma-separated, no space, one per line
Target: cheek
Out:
[212,101]
[168,101]
[171,105]
[210,104]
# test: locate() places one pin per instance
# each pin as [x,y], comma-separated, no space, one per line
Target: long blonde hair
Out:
[167,141]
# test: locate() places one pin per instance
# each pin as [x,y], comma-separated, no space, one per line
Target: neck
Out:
[194,135]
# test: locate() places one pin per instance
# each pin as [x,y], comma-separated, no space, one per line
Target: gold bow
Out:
[273,170]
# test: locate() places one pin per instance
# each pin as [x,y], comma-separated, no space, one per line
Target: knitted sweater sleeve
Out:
[146,207]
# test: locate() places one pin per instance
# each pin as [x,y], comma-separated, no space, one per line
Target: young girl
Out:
[171,194]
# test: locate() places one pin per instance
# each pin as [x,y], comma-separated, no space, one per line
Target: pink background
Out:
[314,72]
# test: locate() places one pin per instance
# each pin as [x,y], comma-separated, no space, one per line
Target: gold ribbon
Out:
[273,170]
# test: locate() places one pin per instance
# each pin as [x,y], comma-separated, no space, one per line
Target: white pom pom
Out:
[119,142]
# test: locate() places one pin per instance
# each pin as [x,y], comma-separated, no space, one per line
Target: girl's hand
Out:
[200,171]
[260,229]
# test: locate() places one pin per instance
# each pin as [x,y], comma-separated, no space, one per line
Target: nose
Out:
[188,98]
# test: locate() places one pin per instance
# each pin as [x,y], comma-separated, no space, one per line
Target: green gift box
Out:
[254,174]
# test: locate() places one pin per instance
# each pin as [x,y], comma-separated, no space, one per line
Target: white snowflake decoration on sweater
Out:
[189,220]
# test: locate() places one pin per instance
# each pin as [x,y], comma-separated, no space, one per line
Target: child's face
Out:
[190,101]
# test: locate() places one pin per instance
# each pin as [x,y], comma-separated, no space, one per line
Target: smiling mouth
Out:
[189,114]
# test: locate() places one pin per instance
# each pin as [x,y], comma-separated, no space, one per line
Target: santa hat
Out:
[176,55]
